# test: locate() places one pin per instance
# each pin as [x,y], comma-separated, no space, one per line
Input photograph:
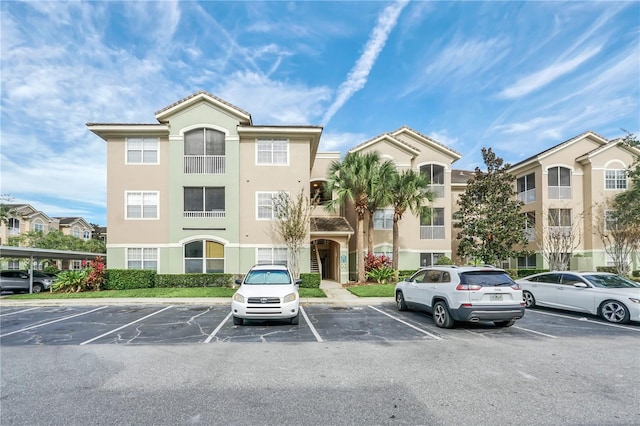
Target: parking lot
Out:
[188,324]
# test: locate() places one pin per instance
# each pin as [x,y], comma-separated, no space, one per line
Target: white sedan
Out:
[614,298]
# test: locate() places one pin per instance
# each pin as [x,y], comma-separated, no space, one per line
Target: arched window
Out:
[559,183]
[204,151]
[14,226]
[435,174]
[203,257]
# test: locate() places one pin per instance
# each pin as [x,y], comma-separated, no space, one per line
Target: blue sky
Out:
[519,77]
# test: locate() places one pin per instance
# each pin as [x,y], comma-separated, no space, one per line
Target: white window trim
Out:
[257,163]
[142,260]
[272,249]
[386,212]
[273,195]
[126,193]
[626,180]
[142,163]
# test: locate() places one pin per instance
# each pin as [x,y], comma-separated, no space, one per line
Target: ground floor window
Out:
[142,258]
[272,255]
[203,257]
[527,262]
[428,259]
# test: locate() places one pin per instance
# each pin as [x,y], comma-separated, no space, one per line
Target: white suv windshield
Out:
[267,277]
[486,278]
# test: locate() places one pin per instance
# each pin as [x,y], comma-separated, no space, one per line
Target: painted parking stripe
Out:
[214,332]
[583,319]
[406,323]
[124,326]
[18,312]
[313,329]
[51,322]
[535,332]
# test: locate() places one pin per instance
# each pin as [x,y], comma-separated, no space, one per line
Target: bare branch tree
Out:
[558,237]
[621,238]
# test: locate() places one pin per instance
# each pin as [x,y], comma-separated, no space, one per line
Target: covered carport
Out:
[40,253]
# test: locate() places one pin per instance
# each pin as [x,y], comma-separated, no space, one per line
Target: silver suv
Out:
[18,281]
[462,293]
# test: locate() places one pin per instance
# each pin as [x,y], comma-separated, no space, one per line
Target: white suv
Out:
[266,292]
[462,293]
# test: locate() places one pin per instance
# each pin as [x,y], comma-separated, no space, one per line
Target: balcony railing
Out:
[559,192]
[528,196]
[210,213]
[204,164]
[14,231]
[432,232]
[560,231]
[437,190]
[530,234]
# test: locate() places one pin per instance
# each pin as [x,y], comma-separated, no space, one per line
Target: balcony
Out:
[210,214]
[436,190]
[432,232]
[559,192]
[530,234]
[204,164]
[14,231]
[528,196]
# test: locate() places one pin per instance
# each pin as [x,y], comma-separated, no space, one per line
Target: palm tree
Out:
[379,194]
[349,181]
[409,191]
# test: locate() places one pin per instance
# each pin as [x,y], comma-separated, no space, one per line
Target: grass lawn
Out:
[153,292]
[373,290]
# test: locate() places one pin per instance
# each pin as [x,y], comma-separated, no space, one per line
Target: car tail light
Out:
[515,286]
[469,287]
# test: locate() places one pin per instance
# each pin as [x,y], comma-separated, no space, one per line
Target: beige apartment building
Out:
[193,192]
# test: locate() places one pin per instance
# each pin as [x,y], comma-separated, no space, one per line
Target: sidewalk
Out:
[336,295]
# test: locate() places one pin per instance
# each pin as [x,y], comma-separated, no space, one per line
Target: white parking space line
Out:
[535,332]
[583,319]
[18,312]
[214,332]
[406,323]
[51,322]
[124,326]
[313,329]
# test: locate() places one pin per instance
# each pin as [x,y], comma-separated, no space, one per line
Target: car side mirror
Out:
[298,282]
[238,282]
[580,285]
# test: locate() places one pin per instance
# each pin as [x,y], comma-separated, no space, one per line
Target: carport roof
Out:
[40,253]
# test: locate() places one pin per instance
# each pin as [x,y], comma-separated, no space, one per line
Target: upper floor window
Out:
[272,152]
[432,225]
[76,232]
[383,219]
[319,192]
[435,174]
[14,225]
[530,226]
[560,218]
[142,258]
[141,205]
[527,188]
[615,179]
[264,205]
[204,201]
[559,183]
[142,150]
[610,220]
[86,235]
[204,151]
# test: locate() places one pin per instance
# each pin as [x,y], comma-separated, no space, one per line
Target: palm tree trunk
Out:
[370,234]
[359,248]
[394,261]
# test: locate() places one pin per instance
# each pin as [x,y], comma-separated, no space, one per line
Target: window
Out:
[559,183]
[76,265]
[615,179]
[38,225]
[530,225]
[204,201]
[141,205]
[204,151]
[264,205]
[610,220]
[13,264]
[203,257]
[383,219]
[14,226]
[428,259]
[435,174]
[319,192]
[272,152]
[76,232]
[86,235]
[272,255]
[142,150]
[142,258]
[527,262]
[527,188]
[432,225]
[560,217]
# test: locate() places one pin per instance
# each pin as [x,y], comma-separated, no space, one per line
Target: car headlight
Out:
[289,298]
[238,298]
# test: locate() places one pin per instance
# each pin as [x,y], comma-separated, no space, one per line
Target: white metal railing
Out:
[432,232]
[530,234]
[210,213]
[528,196]
[14,231]
[560,231]
[211,164]
[437,190]
[559,192]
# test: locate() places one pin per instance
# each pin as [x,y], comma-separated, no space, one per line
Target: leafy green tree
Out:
[349,181]
[380,194]
[56,240]
[489,215]
[5,210]
[409,191]
[627,203]
[292,224]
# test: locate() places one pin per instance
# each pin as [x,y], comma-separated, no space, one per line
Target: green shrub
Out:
[611,269]
[404,273]
[382,274]
[526,272]
[635,273]
[194,280]
[444,260]
[310,280]
[125,279]
[70,281]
